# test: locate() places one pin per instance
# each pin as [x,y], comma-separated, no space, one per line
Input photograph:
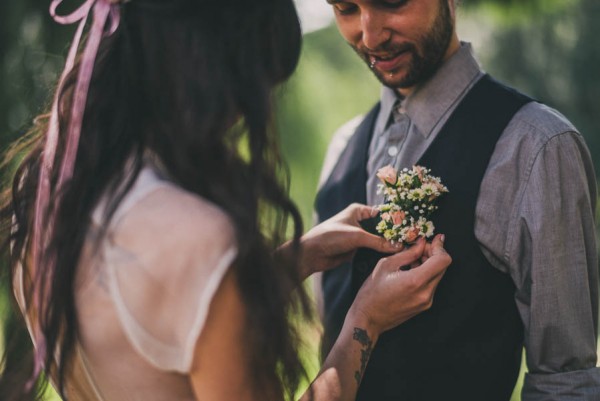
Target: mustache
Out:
[385,49]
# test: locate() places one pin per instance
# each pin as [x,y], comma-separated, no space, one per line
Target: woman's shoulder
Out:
[158,213]
[165,254]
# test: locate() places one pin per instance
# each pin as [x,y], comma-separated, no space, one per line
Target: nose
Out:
[374,31]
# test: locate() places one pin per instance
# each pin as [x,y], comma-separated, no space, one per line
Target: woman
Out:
[147,213]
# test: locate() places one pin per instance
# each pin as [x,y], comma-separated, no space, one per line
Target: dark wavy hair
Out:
[191,81]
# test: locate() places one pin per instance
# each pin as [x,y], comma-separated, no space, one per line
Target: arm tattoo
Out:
[365,341]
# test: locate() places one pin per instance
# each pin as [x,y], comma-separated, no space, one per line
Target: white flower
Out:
[417,194]
[389,234]
[428,229]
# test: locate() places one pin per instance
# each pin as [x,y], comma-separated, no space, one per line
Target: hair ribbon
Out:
[106,19]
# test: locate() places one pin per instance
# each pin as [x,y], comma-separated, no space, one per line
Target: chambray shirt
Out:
[534,219]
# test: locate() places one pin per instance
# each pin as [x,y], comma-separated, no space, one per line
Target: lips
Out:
[388,62]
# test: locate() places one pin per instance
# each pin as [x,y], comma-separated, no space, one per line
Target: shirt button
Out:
[392,151]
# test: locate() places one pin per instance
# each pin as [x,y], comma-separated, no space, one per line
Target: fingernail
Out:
[374,211]
[442,238]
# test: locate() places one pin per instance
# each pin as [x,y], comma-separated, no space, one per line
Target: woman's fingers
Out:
[391,296]
[336,240]
[437,245]
[361,212]
[404,258]
[352,216]
[435,266]
[375,242]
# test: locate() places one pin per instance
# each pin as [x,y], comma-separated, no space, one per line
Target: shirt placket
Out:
[387,150]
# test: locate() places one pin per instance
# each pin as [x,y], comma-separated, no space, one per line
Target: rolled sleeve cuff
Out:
[578,385]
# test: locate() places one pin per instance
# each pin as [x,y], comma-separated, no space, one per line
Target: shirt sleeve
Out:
[165,260]
[552,256]
[338,143]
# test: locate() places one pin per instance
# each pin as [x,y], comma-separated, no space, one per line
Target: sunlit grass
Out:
[516,395]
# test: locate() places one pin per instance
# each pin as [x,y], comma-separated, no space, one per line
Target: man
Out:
[519,218]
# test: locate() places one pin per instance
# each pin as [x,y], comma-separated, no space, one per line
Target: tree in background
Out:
[556,59]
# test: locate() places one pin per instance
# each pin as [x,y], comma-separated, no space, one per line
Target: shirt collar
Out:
[432,100]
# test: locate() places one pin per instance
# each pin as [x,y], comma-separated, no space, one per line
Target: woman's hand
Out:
[391,296]
[336,240]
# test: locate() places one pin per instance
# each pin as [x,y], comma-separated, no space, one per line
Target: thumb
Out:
[435,266]
[437,245]
[377,243]
[406,257]
[364,212]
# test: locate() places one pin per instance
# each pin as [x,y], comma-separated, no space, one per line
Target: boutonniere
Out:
[410,196]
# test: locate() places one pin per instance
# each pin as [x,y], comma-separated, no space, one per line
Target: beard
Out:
[427,53]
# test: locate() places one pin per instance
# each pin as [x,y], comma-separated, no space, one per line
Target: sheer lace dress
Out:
[143,294]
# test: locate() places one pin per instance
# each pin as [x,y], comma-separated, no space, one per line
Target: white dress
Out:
[142,299]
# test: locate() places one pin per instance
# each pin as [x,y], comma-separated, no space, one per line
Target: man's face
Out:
[403,41]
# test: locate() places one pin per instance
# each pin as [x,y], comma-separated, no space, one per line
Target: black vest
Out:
[468,345]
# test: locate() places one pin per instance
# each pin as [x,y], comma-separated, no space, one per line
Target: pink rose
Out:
[412,234]
[398,217]
[387,175]
[441,188]
[419,171]
[385,216]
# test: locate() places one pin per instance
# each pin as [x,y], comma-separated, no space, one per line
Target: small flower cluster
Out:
[410,198]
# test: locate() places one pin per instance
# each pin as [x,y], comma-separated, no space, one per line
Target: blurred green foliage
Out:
[557,60]
[329,87]
[547,48]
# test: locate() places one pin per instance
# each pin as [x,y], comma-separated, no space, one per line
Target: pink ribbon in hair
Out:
[106,18]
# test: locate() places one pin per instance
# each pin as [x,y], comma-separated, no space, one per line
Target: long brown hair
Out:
[173,79]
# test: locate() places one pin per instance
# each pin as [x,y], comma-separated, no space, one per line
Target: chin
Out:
[396,81]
